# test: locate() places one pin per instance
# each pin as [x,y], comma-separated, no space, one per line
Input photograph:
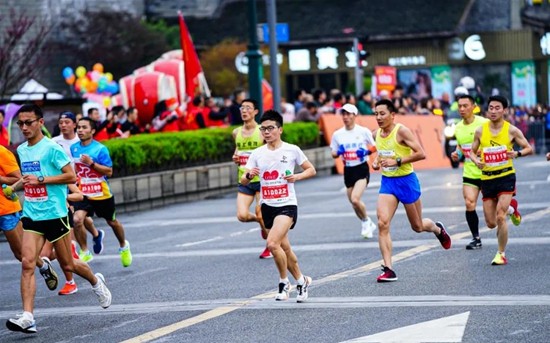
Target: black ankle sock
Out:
[473,222]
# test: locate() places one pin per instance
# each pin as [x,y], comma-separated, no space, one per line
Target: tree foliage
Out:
[24,51]
[218,64]
[118,40]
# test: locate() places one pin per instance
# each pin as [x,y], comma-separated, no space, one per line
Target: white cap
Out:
[461,90]
[350,109]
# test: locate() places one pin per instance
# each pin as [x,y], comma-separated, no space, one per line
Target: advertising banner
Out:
[524,87]
[386,78]
[441,81]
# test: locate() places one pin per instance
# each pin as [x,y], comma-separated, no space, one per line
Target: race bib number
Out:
[495,156]
[387,154]
[275,192]
[243,158]
[466,148]
[37,193]
[91,188]
[350,156]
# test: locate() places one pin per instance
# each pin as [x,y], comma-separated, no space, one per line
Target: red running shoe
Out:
[443,237]
[516,216]
[73,250]
[388,275]
[266,254]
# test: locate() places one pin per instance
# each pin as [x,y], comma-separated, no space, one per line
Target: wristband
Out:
[519,153]
[92,165]
[248,176]
[398,160]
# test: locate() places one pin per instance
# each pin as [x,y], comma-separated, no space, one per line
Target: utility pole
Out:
[255,72]
[273,65]
[358,68]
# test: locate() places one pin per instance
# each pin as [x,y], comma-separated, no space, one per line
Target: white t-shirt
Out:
[274,165]
[66,145]
[358,137]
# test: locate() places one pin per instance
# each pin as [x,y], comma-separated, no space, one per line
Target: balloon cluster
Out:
[93,81]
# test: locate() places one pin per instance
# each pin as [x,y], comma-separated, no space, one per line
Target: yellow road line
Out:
[220,311]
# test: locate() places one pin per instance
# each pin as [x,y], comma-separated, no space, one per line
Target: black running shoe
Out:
[474,244]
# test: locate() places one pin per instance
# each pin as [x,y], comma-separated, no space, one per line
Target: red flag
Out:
[267,95]
[195,81]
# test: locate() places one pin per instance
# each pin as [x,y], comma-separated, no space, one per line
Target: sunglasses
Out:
[26,122]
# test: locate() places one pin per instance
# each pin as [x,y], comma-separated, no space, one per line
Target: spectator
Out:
[4,134]
[130,125]
[309,113]
[238,96]
[364,105]
[287,111]
[215,115]
[319,97]
[101,133]
[194,119]
[166,116]
[299,101]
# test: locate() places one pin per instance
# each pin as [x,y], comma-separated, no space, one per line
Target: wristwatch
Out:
[519,153]
[398,160]
[41,179]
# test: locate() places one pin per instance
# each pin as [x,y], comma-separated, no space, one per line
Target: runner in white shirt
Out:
[274,163]
[354,143]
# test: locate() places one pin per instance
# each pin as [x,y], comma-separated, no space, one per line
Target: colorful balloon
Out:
[80,71]
[98,67]
[70,80]
[109,77]
[68,72]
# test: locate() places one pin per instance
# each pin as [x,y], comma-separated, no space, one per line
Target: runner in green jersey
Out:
[471,183]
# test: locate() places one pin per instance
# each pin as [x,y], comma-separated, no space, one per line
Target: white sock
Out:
[285,280]
[70,282]
[510,210]
[44,267]
[301,280]
[28,315]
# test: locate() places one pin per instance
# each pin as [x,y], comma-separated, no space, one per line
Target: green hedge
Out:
[148,153]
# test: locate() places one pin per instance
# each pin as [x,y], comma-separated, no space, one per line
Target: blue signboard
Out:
[281,32]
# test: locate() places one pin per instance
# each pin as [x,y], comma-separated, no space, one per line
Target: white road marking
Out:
[447,329]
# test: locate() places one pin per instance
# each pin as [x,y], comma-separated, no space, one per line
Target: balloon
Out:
[80,71]
[106,101]
[102,84]
[84,82]
[70,80]
[95,75]
[92,86]
[109,77]
[67,72]
[98,67]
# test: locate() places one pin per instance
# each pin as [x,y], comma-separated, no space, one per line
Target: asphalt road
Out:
[196,276]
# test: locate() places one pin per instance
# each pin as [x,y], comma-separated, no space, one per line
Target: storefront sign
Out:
[441,81]
[407,61]
[327,58]
[524,88]
[473,48]
[545,44]
[241,61]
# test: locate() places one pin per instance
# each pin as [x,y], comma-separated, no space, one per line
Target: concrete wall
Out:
[144,192]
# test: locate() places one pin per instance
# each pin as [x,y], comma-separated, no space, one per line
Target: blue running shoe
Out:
[98,242]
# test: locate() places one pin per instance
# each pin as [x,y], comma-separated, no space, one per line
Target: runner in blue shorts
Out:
[397,149]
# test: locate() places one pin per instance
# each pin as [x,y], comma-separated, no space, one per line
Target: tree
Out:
[24,52]
[118,40]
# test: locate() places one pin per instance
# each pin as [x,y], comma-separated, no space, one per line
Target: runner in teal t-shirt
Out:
[46,171]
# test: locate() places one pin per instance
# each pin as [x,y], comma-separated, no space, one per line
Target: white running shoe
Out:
[102,292]
[284,291]
[303,290]
[21,324]
[367,228]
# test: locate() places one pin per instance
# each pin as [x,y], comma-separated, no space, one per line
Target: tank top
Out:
[493,152]
[388,147]
[465,136]
[245,145]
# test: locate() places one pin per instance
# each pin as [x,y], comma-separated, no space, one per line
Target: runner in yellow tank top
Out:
[397,149]
[247,138]
[495,140]
[471,175]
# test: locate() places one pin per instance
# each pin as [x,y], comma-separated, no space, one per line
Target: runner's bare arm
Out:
[406,137]
[475,147]
[518,137]
[308,171]
[11,178]
[67,177]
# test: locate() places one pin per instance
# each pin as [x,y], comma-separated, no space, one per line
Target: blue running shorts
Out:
[250,189]
[8,222]
[405,188]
